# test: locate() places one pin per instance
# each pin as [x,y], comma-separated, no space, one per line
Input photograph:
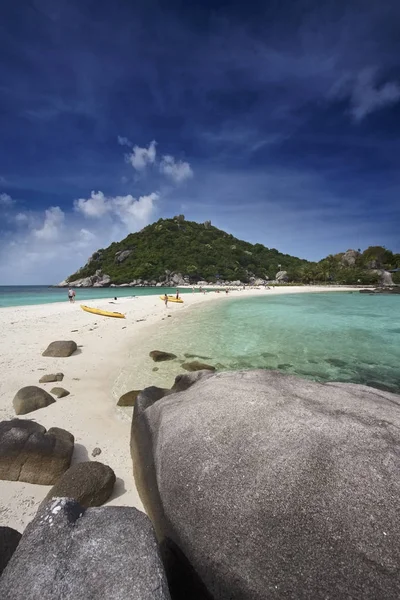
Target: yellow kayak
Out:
[103,313]
[172,299]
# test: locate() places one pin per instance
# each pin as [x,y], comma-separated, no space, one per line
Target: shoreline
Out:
[93,376]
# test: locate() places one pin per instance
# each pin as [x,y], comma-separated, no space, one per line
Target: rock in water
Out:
[59,392]
[129,398]
[31,398]
[89,483]
[158,355]
[263,485]
[69,553]
[60,349]
[196,365]
[9,540]
[51,378]
[29,453]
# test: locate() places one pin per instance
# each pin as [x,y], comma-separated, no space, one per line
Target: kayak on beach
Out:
[172,299]
[103,313]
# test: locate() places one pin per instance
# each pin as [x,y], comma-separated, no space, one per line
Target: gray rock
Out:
[31,398]
[264,485]
[29,453]
[185,381]
[196,365]
[70,553]
[51,378]
[349,258]
[158,355]
[96,452]
[59,392]
[282,276]
[9,540]
[122,255]
[61,349]
[89,483]
[129,398]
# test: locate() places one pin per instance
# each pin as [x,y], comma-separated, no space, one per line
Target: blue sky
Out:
[279,121]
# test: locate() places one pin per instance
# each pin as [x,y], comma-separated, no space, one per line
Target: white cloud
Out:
[53,220]
[140,158]
[96,206]
[178,171]
[6,200]
[129,210]
[365,94]
[123,141]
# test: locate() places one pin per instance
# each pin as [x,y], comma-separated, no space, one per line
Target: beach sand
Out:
[105,346]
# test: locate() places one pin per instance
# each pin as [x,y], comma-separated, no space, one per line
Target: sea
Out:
[337,336]
[28,295]
[346,337]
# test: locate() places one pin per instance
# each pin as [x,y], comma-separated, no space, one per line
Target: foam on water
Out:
[326,337]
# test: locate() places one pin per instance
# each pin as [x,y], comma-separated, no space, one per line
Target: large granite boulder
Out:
[282,276]
[264,485]
[61,349]
[31,398]
[70,553]
[350,258]
[89,483]
[9,540]
[122,255]
[30,453]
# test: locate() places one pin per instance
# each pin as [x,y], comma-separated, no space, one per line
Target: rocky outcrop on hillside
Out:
[99,279]
[350,258]
[262,485]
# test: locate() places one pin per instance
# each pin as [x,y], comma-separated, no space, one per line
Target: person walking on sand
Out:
[166,300]
[71,295]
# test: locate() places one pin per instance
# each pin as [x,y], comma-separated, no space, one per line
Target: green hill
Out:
[198,250]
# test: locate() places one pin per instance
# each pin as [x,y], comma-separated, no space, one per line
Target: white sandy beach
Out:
[89,412]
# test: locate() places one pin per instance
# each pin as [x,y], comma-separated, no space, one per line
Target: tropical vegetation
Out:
[204,252]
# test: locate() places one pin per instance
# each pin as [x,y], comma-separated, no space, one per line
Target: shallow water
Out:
[326,337]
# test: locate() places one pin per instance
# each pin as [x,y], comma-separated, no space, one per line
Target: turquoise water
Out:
[326,337]
[26,295]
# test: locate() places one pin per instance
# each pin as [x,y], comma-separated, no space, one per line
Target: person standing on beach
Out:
[71,295]
[166,300]
[177,294]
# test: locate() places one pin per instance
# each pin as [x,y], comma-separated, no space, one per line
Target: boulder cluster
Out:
[256,484]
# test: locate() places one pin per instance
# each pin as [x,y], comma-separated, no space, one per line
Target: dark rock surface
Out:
[129,398]
[51,378]
[59,392]
[263,485]
[69,553]
[29,453]
[89,483]
[31,398]
[60,349]
[159,355]
[9,540]
[196,365]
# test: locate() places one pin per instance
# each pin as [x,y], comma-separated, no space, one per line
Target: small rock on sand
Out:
[59,392]
[51,378]
[96,451]
[31,398]
[159,355]
[62,348]
[129,398]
